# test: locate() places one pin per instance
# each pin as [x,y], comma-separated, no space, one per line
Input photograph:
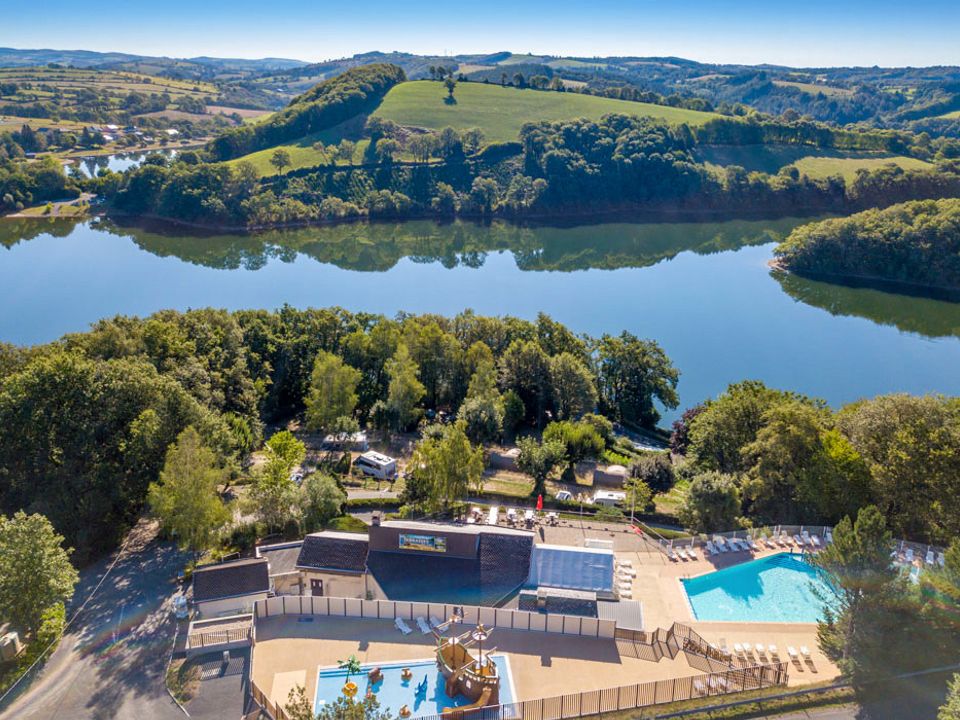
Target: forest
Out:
[914,243]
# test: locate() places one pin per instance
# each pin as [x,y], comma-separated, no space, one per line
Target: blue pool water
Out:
[393,692]
[778,588]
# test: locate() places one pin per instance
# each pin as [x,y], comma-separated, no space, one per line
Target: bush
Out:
[656,471]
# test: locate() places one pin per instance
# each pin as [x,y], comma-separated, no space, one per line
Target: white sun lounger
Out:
[628,594]
[711,548]
[798,540]
[908,555]
[435,621]
[761,649]
[773,651]
[422,624]
[930,559]
[784,540]
[738,648]
[792,652]
[699,687]
[402,626]
[722,545]
[941,559]
[753,544]
[828,536]
[748,648]
[682,553]
[815,539]
[805,536]
[805,651]
[692,553]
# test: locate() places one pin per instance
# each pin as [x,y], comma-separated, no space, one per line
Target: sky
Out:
[810,33]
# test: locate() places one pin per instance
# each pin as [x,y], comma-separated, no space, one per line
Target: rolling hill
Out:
[500,112]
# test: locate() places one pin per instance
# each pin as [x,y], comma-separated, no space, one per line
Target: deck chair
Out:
[422,624]
[402,626]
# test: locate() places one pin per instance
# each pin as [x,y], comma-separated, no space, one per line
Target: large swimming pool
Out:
[778,588]
[393,691]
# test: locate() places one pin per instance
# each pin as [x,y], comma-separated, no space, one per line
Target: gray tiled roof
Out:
[346,552]
[230,579]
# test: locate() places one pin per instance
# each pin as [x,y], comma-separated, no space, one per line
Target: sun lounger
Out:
[628,594]
[784,540]
[692,553]
[717,683]
[798,540]
[435,621]
[422,624]
[805,651]
[815,539]
[710,548]
[773,651]
[792,652]
[671,554]
[722,545]
[699,687]
[682,553]
[753,544]
[930,559]
[828,536]
[941,560]
[402,626]
[805,536]
[761,650]
[626,563]
[908,556]
[748,648]
[738,648]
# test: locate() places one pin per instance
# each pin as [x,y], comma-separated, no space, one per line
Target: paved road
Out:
[111,663]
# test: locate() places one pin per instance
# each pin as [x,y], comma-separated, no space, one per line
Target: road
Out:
[112,661]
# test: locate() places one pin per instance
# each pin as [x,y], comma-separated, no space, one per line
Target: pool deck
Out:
[657,586]
[288,653]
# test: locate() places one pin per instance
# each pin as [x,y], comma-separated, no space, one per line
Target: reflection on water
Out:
[703,290]
[95,164]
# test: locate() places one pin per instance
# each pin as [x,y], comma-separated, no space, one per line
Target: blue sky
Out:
[807,32]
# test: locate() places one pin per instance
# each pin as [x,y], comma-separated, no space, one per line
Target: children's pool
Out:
[393,691]
[778,588]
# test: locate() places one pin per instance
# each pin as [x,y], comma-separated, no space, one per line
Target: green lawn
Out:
[501,111]
[822,167]
[301,152]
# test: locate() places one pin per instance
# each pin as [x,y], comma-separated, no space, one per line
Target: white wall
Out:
[228,606]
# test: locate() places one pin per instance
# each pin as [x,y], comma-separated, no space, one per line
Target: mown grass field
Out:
[501,111]
[815,89]
[822,167]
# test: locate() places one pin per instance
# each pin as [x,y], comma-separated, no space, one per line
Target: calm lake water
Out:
[96,164]
[703,291]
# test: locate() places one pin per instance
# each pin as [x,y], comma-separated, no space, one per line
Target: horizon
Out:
[818,34]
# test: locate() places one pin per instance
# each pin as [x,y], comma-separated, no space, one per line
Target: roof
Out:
[475,529]
[281,556]
[627,613]
[344,552]
[609,495]
[231,579]
[557,566]
[379,458]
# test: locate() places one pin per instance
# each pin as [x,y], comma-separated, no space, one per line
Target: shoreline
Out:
[943,293]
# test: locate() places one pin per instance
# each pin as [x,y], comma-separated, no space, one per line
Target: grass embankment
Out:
[813,162]
[500,112]
[302,153]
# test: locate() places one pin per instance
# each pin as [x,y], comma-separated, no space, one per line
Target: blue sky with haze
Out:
[808,33]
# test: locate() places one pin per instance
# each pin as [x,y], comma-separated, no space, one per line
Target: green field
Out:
[501,111]
[822,167]
[815,89]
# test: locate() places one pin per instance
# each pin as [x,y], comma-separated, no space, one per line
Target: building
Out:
[334,563]
[282,559]
[374,464]
[230,588]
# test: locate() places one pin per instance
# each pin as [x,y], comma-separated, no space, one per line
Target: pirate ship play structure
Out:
[476,678]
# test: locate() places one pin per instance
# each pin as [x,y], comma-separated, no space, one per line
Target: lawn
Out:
[301,152]
[822,167]
[501,111]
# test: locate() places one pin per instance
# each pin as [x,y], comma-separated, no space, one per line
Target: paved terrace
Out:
[288,653]
[657,586]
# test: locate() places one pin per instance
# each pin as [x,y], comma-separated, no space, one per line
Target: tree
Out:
[482,417]
[525,369]
[854,633]
[680,435]
[448,465]
[484,192]
[280,159]
[513,412]
[656,470]
[712,503]
[580,440]
[405,390]
[298,705]
[274,494]
[950,710]
[451,85]
[538,460]
[632,374]
[286,450]
[35,569]
[729,423]
[574,392]
[421,146]
[639,494]
[186,500]
[323,500]
[333,391]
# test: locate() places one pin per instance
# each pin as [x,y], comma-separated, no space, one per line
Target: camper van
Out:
[374,464]
[609,498]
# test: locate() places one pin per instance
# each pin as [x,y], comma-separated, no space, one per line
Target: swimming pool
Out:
[778,588]
[393,691]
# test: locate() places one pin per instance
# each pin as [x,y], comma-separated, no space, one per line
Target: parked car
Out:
[181,610]
[564,495]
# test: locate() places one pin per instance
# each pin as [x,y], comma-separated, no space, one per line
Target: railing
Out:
[234,631]
[410,611]
[217,637]
[594,702]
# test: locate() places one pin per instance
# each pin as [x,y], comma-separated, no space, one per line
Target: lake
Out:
[704,291]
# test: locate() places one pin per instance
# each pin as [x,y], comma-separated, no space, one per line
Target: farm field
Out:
[45,81]
[302,154]
[814,89]
[501,111]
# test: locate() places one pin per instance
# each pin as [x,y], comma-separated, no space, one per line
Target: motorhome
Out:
[374,464]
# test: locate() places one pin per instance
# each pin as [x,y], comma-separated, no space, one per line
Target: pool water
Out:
[393,692]
[778,588]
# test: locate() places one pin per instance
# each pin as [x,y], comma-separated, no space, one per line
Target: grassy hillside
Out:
[302,154]
[821,167]
[501,111]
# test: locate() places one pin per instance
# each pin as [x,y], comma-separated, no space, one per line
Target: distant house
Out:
[230,588]
[334,563]
[353,441]
[171,132]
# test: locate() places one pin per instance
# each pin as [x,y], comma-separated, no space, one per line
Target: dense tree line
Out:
[328,104]
[756,455]
[96,412]
[914,242]
[23,184]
